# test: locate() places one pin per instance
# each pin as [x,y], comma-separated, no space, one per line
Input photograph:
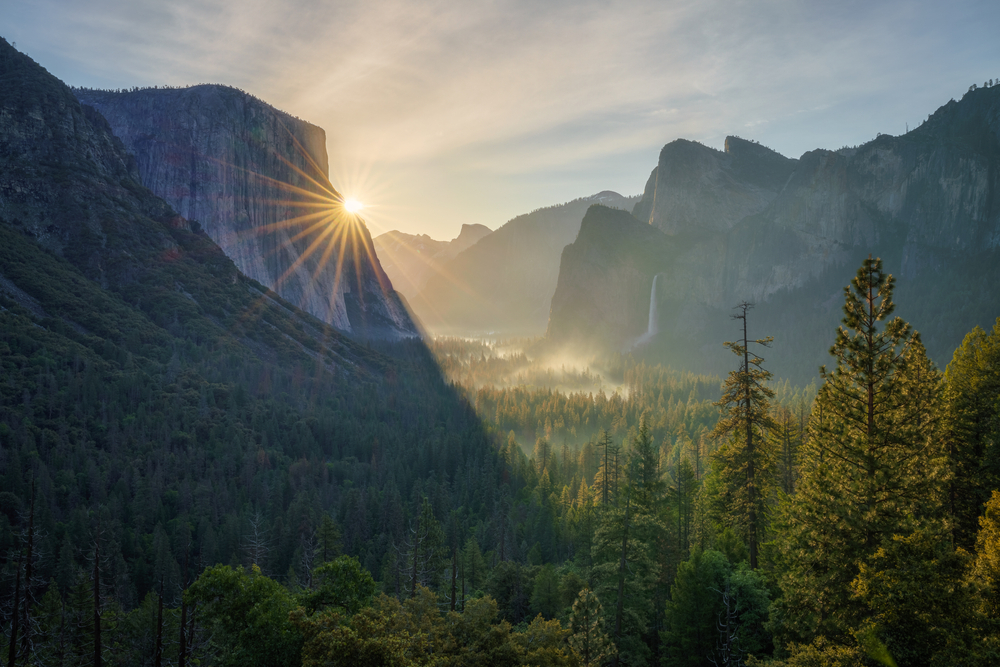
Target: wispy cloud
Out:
[464,112]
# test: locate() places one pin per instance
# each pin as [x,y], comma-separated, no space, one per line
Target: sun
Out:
[353,205]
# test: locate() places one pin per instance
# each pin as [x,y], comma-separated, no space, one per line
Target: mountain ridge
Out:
[763,228]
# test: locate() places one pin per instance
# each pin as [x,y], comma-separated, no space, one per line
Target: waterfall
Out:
[653,327]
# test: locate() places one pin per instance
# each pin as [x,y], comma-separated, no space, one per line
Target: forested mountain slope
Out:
[171,411]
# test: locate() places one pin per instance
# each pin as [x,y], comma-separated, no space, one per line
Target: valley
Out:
[236,428]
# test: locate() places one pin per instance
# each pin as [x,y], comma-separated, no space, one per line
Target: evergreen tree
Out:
[682,495]
[327,539]
[589,640]
[716,612]
[422,557]
[647,480]
[788,438]
[746,461]
[542,455]
[973,429]
[624,569]
[546,598]
[473,565]
[693,610]
[871,468]
[987,564]
[606,480]
[919,605]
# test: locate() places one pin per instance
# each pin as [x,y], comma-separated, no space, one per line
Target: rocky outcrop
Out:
[256,181]
[606,275]
[410,259]
[698,189]
[750,225]
[505,281]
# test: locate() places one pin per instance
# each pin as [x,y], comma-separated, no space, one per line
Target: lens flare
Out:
[353,205]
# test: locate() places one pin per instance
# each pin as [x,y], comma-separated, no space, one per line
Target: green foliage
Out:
[821,652]
[746,462]
[543,643]
[624,575]
[342,584]
[328,537]
[973,428]
[546,598]
[415,633]
[589,639]
[919,604]
[510,585]
[692,613]
[987,564]
[366,641]
[247,615]
[708,593]
[872,467]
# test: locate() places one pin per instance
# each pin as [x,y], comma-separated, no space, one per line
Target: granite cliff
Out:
[256,181]
[747,224]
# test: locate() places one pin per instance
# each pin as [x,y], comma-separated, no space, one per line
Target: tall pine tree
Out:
[871,467]
[746,461]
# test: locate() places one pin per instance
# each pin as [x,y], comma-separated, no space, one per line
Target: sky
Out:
[475,111]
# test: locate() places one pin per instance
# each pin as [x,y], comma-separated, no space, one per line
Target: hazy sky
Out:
[442,113]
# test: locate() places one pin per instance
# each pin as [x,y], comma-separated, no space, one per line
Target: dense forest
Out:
[164,514]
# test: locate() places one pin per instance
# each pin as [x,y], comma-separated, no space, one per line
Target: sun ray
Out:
[305,254]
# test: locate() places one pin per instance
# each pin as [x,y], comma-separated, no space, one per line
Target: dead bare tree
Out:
[256,544]
[727,647]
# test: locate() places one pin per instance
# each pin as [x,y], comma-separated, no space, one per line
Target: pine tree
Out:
[328,540]
[624,569]
[682,494]
[606,480]
[788,438]
[746,462]
[972,394]
[648,480]
[545,595]
[589,640]
[421,557]
[871,467]
[542,455]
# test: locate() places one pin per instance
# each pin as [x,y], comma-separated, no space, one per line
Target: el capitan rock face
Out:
[252,176]
[750,225]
